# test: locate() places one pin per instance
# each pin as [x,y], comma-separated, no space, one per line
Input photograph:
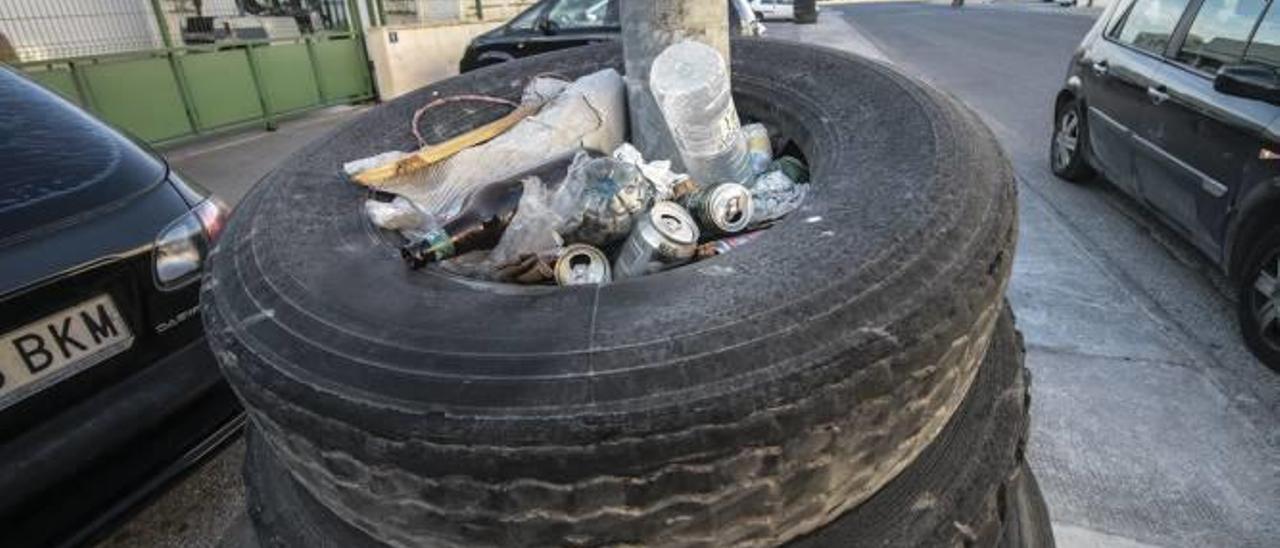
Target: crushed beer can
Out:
[615,194]
[759,150]
[664,237]
[582,264]
[722,208]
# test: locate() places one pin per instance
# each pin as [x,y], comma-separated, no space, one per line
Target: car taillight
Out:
[183,245]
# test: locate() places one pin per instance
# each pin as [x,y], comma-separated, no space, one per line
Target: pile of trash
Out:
[551,193]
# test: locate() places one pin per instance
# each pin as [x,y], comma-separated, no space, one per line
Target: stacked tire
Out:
[851,378]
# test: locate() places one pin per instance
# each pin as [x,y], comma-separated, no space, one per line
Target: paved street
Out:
[1152,423]
[1153,426]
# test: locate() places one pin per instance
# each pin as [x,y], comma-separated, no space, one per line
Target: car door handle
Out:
[1157,94]
[1100,68]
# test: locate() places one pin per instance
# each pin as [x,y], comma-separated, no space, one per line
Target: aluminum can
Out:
[582,264]
[722,208]
[664,237]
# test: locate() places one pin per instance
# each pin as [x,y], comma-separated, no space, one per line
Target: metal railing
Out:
[36,30]
[166,70]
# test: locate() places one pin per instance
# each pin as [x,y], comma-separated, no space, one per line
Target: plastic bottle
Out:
[690,83]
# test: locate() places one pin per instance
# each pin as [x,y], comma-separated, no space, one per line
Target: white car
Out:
[773,9]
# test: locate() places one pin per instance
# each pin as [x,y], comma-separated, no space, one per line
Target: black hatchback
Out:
[552,25]
[1177,102]
[107,388]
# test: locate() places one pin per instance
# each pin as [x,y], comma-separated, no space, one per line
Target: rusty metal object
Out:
[528,269]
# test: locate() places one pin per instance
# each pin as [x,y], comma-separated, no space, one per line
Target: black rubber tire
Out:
[1265,253]
[705,402]
[1077,170]
[805,12]
[971,486]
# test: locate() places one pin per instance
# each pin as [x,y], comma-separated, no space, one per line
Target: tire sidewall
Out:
[1266,248]
[1077,169]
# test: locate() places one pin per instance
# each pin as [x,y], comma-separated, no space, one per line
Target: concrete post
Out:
[648,27]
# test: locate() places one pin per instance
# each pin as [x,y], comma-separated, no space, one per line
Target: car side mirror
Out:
[1251,81]
[546,25]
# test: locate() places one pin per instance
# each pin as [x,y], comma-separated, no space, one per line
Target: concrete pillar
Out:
[648,27]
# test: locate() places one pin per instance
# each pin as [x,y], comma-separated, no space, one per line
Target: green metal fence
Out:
[162,94]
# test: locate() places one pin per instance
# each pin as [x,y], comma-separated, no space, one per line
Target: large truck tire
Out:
[745,400]
[970,487]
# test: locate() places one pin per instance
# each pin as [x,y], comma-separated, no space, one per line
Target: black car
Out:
[107,388]
[552,25]
[1177,102]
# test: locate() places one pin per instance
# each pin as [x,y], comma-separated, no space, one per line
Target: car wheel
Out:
[1066,149]
[1259,300]
[746,400]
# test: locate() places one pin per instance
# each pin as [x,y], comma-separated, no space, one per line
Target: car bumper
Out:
[90,464]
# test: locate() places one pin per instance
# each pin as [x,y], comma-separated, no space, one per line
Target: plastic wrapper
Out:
[773,196]
[589,113]
[658,172]
[401,215]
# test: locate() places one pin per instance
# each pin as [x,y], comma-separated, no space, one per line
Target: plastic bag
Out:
[773,196]
[589,113]
[533,228]
[601,199]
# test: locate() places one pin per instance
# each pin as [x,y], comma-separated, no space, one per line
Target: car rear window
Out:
[58,161]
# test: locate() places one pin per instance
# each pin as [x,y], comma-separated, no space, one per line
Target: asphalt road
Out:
[1152,423]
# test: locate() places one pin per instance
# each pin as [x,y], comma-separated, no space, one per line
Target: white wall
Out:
[419,56]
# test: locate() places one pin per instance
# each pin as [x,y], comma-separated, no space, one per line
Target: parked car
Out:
[769,10]
[1177,102]
[552,25]
[107,388]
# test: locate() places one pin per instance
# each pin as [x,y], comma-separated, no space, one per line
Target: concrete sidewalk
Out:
[231,164]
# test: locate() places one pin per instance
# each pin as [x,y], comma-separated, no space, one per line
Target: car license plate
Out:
[41,352]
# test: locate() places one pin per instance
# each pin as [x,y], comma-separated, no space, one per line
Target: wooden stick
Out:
[430,155]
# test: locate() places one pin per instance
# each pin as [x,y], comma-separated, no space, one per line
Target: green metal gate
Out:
[170,93]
